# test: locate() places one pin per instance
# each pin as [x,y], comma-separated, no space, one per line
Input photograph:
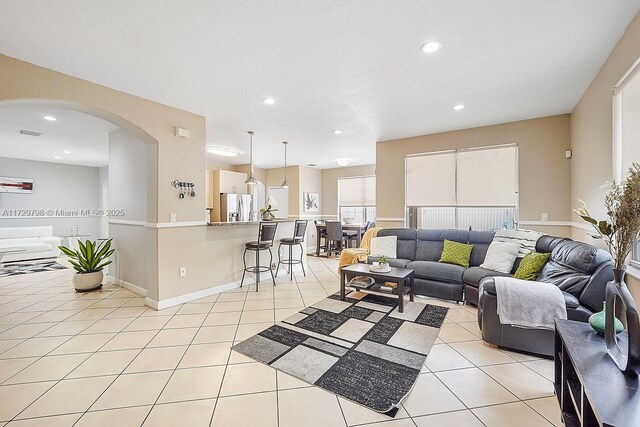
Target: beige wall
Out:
[275,177]
[154,123]
[545,173]
[329,195]
[591,135]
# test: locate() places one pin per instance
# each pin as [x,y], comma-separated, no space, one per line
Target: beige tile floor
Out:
[103,358]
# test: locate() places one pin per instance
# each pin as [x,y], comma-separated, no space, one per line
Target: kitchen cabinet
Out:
[231,182]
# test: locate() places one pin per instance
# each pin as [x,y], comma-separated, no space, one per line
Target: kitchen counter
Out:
[232,223]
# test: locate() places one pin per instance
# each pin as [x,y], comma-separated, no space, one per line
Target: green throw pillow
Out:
[531,266]
[456,253]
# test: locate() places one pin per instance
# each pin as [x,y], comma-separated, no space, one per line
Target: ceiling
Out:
[349,65]
[85,138]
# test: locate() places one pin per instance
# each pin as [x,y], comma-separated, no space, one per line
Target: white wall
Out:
[127,185]
[55,187]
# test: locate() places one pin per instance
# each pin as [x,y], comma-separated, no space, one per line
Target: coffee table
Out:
[402,276]
[4,252]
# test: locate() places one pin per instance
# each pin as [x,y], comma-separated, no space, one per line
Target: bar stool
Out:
[266,235]
[299,231]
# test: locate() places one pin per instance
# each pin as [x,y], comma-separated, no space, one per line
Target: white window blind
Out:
[357,191]
[630,121]
[487,177]
[431,179]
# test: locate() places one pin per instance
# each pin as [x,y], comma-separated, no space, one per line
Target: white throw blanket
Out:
[529,304]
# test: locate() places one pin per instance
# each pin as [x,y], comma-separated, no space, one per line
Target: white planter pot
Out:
[384,266]
[86,282]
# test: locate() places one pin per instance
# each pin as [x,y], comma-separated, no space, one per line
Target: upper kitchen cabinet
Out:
[230,182]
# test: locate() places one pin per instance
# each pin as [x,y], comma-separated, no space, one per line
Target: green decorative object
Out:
[456,253]
[598,321]
[531,266]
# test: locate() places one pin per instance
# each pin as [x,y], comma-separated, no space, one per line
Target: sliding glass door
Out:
[474,188]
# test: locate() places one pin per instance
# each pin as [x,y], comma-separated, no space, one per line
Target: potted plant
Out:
[620,232]
[383,263]
[88,261]
[267,213]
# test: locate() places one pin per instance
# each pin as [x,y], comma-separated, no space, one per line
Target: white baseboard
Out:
[170,302]
[129,286]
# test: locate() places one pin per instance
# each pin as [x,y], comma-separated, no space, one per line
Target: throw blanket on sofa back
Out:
[529,304]
[350,256]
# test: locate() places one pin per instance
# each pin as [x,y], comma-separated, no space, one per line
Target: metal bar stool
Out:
[299,231]
[266,235]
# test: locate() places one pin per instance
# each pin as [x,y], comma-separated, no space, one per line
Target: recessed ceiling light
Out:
[223,151]
[459,107]
[337,131]
[57,157]
[343,162]
[66,151]
[431,47]
[50,118]
[269,101]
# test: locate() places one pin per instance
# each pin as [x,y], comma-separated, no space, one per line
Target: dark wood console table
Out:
[589,386]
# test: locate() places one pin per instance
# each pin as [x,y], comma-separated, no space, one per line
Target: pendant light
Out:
[285,183]
[251,179]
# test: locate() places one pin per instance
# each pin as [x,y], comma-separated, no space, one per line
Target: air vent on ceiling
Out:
[311,165]
[30,132]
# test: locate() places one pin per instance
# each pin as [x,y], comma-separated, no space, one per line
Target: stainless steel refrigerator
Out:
[235,207]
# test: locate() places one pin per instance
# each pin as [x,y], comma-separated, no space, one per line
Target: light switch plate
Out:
[172,217]
[183,271]
[545,216]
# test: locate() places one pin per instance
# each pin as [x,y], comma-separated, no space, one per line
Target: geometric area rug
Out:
[26,268]
[361,349]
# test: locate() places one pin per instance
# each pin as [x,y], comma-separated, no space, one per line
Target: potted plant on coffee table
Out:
[88,261]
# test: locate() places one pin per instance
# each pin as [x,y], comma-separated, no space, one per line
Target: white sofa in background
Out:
[37,242]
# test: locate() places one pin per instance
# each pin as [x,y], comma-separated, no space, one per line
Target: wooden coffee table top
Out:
[363,269]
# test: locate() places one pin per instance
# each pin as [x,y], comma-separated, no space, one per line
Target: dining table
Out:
[358,228]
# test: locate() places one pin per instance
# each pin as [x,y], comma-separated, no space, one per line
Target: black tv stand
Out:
[589,386]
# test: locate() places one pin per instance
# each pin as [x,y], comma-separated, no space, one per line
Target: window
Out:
[474,188]
[626,129]
[357,198]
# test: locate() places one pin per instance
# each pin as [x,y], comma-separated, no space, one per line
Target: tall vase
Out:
[625,354]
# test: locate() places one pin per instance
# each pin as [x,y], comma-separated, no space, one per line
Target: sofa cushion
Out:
[531,266]
[386,245]
[456,253]
[430,242]
[28,247]
[393,262]
[480,241]
[571,265]
[473,275]
[501,256]
[433,270]
[406,241]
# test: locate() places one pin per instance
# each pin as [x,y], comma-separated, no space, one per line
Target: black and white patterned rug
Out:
[361,349]
[27,268]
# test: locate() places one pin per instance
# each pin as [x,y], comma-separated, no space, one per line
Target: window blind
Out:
[630,121]
[431,179]
[357,191]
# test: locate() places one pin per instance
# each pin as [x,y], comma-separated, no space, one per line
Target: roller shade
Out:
[487,177]
[359,191]
[630,121]
[431,180]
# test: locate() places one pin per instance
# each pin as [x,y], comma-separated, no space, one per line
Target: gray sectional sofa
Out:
[581,271]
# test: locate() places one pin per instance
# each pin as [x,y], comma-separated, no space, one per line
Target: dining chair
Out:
[336,236]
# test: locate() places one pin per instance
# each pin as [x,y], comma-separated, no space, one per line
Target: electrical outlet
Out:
[183,271]
[545,216]
[172,217]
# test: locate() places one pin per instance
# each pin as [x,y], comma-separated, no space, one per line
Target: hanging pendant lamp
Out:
[285,183]
[251,179]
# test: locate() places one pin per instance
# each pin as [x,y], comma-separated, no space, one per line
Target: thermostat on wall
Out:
[182,133]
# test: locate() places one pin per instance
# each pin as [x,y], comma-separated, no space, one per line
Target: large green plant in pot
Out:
[88,261]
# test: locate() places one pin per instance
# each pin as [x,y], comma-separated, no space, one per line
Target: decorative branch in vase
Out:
[620,232]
